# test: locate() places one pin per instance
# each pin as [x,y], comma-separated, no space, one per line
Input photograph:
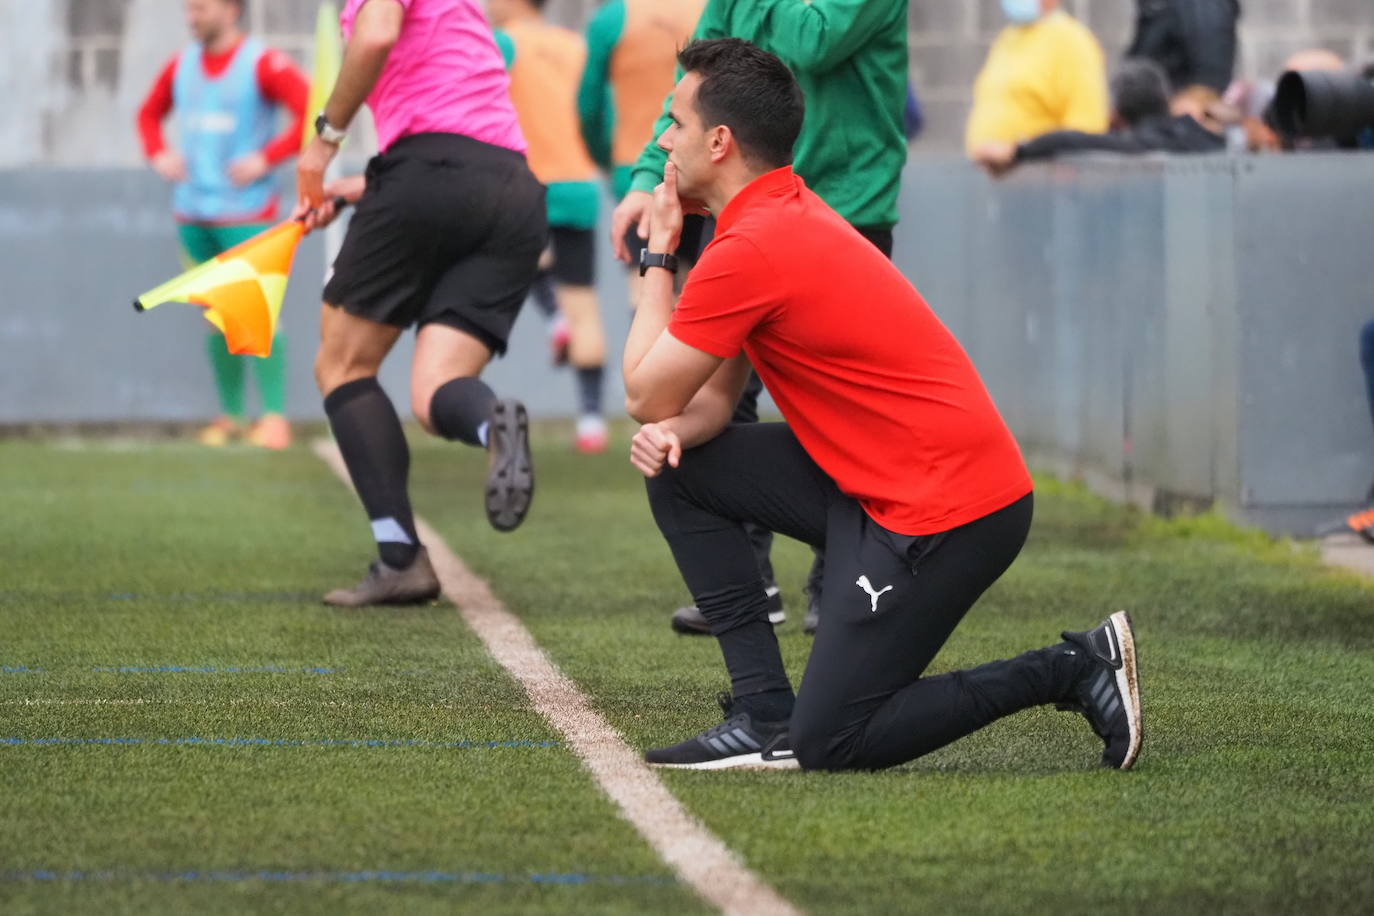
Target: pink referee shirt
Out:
[444,75]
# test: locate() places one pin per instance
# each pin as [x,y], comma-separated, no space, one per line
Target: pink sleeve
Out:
[349,13]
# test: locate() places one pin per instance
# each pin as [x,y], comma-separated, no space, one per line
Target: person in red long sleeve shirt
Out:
[224,91]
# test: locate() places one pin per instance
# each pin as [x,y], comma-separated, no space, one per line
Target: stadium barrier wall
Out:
[76,247]
[1176,331]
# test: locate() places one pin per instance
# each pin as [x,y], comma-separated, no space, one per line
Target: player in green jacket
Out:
[850,59]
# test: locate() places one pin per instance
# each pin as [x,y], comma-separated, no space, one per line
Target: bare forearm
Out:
[378,26]
[701,421]
[651,318]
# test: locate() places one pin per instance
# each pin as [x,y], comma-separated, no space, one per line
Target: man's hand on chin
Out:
[666,221]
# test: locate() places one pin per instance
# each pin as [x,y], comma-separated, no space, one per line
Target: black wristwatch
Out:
[649,259]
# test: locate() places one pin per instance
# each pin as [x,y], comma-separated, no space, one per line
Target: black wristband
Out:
[649,259]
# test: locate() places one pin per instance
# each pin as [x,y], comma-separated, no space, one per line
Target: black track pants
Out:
[889,601]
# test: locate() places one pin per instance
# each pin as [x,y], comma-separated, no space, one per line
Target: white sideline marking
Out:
[700,859]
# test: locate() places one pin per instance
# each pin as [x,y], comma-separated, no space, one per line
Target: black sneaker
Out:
[510,470]
[1108,691]
[736,742]
[691,622]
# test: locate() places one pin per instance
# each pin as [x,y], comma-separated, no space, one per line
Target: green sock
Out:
[228,370]
[271,375]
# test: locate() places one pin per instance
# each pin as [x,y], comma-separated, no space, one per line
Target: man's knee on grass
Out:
[820,744]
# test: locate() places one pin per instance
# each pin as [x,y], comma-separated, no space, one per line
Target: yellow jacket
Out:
[1045,76]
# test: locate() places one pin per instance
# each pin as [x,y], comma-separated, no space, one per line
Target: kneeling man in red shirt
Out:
[893,458]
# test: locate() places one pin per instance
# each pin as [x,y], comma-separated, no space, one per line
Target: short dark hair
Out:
[1140,90]
[749,91]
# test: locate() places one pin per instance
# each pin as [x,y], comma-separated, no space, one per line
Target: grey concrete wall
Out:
[73,71]
[76,246]
[1179,330]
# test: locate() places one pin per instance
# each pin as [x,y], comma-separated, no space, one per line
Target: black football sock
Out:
[589,390]
[374,448]
[461,410]
[770,706]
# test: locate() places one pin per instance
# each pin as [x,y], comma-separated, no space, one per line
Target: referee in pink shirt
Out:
[446,236]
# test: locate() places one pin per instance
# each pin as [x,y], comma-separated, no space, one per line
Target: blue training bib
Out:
[218,120]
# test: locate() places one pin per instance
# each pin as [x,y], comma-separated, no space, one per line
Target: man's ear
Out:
[720,142]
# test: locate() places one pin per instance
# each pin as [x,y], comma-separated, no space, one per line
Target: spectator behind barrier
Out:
[1141,123]
[1044,72]
[1194,41]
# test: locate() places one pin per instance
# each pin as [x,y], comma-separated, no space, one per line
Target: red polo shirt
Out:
[877,390]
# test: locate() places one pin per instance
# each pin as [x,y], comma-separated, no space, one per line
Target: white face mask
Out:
[1021,12]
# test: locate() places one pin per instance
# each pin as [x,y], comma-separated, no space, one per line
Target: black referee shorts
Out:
[448,230]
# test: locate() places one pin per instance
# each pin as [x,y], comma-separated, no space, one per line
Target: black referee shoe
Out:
[1107,693]
[736,742]
[510,470]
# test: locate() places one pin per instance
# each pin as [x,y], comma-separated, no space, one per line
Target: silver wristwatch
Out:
[328,132]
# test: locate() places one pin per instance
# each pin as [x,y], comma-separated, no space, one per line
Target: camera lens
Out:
[1316,103]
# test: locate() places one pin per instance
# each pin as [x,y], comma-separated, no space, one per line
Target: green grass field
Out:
[279,756]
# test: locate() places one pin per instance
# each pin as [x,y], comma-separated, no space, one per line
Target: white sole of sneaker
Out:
[1128,683]
[743,761]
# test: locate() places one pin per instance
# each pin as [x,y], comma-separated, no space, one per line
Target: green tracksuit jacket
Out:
[850,58]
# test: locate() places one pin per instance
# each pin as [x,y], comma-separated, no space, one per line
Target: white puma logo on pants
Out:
[873,596]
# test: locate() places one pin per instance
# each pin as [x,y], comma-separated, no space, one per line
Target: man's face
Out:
[208,19]
[687,140]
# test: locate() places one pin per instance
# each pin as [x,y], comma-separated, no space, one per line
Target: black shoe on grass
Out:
[691,622]
[510,470]
[736,742]
[415,584]
[1108,691]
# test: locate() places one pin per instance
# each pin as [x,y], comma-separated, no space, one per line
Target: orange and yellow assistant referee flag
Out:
[241,290]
